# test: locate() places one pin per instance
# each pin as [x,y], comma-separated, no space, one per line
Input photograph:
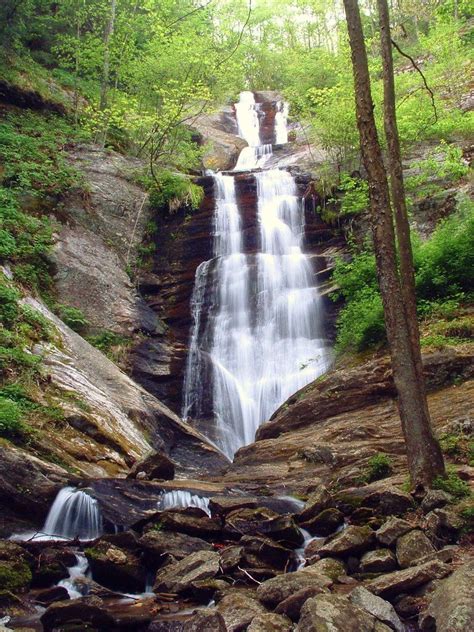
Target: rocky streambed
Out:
[374,559]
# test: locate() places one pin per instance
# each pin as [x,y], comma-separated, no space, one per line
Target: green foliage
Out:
[172,191]
[73,317]
[444,268]
[10,418]
[452,484]
[15,575]
[378,466]
[356,195]
[458,446]
[444,163]
[445,263]
[110,343]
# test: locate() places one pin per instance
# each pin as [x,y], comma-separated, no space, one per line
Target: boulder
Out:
[391,530]
[311,551]
[157,544]
[316,503]
[223,505]
[116,568]
[179,576]
[435,499]
[362,515]
[408,606]
[390,501]
[192,521]
[263,522]
[392,584]
[443,526]
[265,552]
[87,612]
[270,622]
[203,590]
[16,565]
[350,541]
[231,557]
[155,466]
[329,566]
[46,597]
[377,607]
[238,609]
[325,522]
[291,606]
[378,561]
[334,613]
[451,607]
[413,546]
[275,590]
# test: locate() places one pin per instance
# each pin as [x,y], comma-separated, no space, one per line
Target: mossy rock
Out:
[15,575]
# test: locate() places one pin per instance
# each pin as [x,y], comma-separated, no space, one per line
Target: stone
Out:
[277,589]
[259,551]
[330,567]
[291,606]
[85,611]
[391,530]
[205,620]
[270,622]
[377,607]
[223,505]
[435,499]
[203,590]
[116,568]
[238,609]
[352,540]
[16,565]
[192,521]
[264,522]
[413,546]
[378,561]
[311,551]
[362,515]
[451,607]
[157,544]
[179,576]
[231,557]
[334,613]
[51,595]
[392,584]
[408,606]
[325,522]
[443,526]
[155,466]
[390,501]
[316,503]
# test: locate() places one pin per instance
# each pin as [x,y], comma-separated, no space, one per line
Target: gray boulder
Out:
[391,530]
[377,607]
[378,561]
[451,607]
[334,613]
[413,546]
[351,541]
[392,584]
[179,576]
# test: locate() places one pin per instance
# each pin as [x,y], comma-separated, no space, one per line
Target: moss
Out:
[93,553]
[14,575]
[452,484]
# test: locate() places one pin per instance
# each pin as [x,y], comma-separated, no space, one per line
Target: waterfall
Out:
[178,499]
[74,514]
[256,337]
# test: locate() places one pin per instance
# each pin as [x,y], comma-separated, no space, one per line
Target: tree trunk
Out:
[424,457]
[104,85]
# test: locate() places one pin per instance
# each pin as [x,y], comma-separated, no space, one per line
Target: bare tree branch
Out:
[418,69]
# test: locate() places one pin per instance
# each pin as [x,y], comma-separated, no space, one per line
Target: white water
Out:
[75,572]
[258,335]
[178,499]
[74,514]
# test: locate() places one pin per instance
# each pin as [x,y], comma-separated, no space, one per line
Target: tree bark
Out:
[423,453]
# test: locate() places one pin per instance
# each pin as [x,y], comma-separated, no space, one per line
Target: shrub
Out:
[10,418]
[378,466]
[173,190]
[73,317]
[356,195]
[360,324]
[452,484]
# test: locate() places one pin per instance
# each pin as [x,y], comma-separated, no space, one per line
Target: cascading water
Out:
[74,514]
[179,499]
[259,335]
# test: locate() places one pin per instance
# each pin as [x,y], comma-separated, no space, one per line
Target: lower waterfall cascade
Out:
[260,334]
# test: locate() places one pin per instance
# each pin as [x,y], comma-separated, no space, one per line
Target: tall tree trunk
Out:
[104,84]
[424,457]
